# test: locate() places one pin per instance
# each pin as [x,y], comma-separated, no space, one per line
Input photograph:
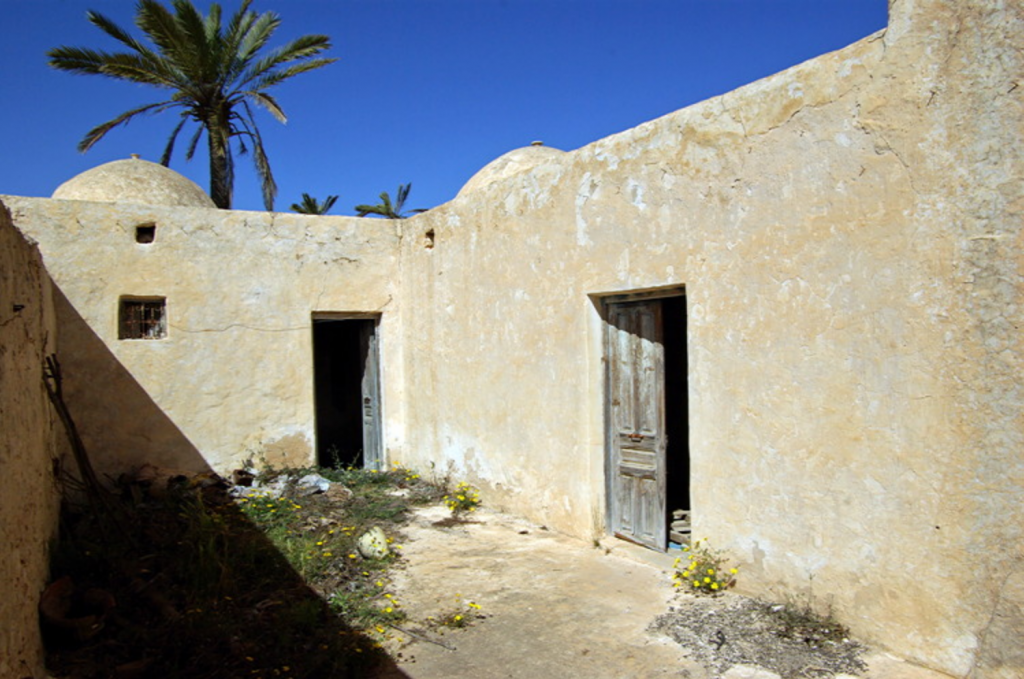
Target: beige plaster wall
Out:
[234,376]
[28,446]
[849,235]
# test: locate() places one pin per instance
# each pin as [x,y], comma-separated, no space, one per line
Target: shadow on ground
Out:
[184,585]
[172,579]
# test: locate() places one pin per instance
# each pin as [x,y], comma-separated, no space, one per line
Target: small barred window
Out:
[143,319]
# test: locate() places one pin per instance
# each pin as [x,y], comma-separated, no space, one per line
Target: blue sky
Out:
[425,91]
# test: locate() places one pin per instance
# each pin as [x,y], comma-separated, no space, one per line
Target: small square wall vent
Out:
[145,233]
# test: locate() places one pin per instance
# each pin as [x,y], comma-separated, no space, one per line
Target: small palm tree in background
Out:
[213,76]
[388,209]
[312,206]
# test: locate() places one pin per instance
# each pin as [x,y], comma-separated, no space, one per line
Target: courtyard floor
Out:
[552,606]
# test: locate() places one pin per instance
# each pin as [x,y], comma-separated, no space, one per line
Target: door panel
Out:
[636,422]
[372,455]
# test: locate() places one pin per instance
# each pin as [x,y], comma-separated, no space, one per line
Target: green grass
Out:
[210,586]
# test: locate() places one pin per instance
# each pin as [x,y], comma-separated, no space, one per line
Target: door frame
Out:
[372,459]
[604,303]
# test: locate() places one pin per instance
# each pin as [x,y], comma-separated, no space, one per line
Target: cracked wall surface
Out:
[28,448]
[849,236]
[233,378]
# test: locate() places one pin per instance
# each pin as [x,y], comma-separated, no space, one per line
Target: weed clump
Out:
[462,614]
[703,570]
[212,582]
[465,498]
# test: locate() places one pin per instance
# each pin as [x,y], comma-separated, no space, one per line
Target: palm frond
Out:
[388,209]
[138,69]
[259,159]
[211,25]
[97,133]
[275,77]
[236,57]
[191,150]
[77,60]
[401,195]
[238,26]
[301,50]
[257,34]
[165,158]
[115,31]
[268,102]
[193,46]
[160,26]
[213,72]
[363,210]
[311,206]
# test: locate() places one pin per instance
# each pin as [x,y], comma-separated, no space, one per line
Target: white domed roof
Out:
[513,162]
[134,181]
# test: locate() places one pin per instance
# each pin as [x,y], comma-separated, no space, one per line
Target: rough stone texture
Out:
[28,445]
[134,181]
[373,544]
[512,163]
[233,377]
[849,236]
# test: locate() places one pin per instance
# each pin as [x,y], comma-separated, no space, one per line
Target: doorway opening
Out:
[677,418]
[647,418]
[346,386]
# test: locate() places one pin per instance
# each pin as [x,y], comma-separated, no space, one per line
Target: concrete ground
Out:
[554,607]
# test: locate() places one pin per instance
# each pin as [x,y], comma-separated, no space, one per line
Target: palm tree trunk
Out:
[220,172]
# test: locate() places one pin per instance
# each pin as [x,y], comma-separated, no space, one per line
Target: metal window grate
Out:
[143,319]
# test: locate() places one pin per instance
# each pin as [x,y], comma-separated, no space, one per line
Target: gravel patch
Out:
[731,630]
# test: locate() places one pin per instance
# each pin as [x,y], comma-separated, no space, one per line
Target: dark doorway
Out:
[677,410]
[347,392]
[648,461]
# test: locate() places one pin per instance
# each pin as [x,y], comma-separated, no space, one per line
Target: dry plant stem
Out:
[53,380]
[447,647]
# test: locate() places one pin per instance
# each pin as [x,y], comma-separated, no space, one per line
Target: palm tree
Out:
[214,76]
[312,206]
[386,208]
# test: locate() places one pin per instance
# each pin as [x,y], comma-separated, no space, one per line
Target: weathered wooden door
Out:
[368,347]
[636,422]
